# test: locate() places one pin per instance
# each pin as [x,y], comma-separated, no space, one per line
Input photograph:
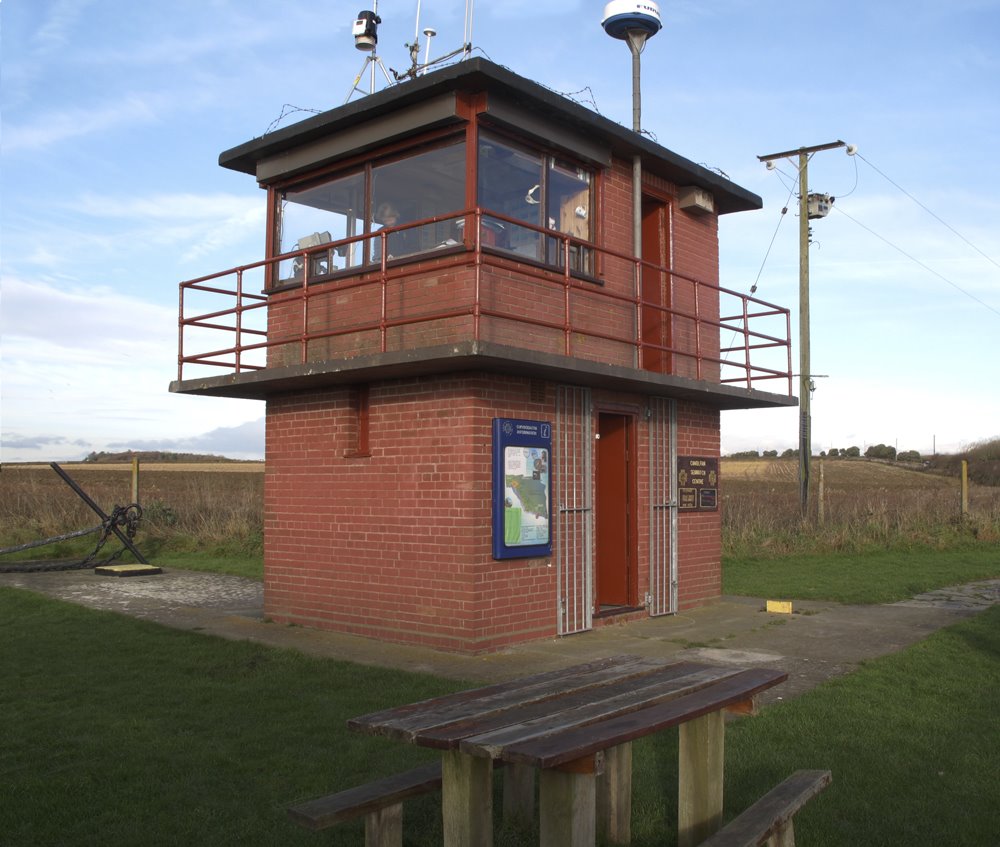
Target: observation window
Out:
[546,193]
[397,194]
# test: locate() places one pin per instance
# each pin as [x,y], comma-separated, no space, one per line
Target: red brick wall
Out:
[397,545]
[699,571]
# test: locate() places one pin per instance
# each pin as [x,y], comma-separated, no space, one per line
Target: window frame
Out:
[552,159]
[365,165]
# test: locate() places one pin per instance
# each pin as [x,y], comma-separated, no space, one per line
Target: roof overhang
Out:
[423,103]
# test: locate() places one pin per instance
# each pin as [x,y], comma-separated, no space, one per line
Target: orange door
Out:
[613,510]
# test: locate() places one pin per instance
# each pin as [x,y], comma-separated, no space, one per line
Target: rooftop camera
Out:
[365,30]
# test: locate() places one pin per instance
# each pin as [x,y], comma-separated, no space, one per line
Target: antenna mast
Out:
[416,68]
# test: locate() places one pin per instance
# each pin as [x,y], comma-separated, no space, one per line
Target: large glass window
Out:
[428,184]
[309,217]
[543,191]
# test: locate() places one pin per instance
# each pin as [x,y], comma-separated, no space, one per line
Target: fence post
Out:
[965,489]
[821,504]
[135,480]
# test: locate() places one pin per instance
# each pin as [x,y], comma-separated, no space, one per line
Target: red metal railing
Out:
[222,326]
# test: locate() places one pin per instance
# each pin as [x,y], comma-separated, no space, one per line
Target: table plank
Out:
[406,723]
[477,722]
[558,748]
[519,725]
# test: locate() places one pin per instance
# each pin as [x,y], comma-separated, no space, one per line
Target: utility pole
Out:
[805,367]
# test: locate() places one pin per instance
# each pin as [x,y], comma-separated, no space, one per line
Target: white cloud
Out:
[58,126]
[92,367]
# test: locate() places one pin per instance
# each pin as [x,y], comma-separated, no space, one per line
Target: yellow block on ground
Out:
[135,569]
[779,607]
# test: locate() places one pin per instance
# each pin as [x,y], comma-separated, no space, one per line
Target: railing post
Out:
[180,332]
[567,317]
[697,332]
[746,343]
[304,337]
[477,309]
[239,319]
[384,283]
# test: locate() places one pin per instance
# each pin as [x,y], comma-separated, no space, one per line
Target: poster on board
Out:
[522,488]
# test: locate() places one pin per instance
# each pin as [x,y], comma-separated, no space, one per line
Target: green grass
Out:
[911,740]
[250,566]
[877,577]
[120,732]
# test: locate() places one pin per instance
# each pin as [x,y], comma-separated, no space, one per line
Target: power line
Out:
[917,261]
[929,212]
[781,217]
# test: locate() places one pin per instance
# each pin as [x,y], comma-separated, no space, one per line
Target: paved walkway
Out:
[820,640]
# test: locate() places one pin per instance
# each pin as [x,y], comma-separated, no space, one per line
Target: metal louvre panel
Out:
[575,518]
[662,599]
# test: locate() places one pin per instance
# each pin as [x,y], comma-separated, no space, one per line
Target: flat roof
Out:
[474,75]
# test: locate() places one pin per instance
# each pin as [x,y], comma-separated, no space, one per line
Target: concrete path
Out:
[819,641]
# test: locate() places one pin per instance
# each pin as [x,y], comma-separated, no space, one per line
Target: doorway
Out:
[615,514]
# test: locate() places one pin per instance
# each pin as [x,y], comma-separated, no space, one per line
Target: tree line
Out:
[875,451]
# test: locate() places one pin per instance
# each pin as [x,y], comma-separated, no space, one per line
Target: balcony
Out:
[349,311]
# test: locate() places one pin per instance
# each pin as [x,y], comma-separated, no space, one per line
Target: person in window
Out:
[401,243]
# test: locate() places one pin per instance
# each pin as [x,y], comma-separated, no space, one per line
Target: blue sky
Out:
[114,114]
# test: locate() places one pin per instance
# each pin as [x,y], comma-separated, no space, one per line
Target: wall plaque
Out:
[697,484]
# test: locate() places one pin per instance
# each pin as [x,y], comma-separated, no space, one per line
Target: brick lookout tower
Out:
[487,420]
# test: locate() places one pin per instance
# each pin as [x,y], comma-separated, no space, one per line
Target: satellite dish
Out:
[622,17]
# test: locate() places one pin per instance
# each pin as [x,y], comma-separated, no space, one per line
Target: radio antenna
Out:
[416,67]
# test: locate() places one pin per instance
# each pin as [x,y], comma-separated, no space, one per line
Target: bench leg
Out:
[519,795]
[784,837]
[614,795]
[466,800]
[384,827]
[699,806]
[567,814]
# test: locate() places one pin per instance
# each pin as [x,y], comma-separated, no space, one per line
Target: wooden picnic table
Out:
[575,726]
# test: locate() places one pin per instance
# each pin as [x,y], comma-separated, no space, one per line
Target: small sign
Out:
[697,484]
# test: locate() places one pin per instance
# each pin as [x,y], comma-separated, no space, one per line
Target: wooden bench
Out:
[769,820]
[381,802]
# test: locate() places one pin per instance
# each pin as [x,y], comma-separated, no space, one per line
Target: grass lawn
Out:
[250,566]
[121,732]
[880,577]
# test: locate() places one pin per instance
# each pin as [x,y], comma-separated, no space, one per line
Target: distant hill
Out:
[158,456]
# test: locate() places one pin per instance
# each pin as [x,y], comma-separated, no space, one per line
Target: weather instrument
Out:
[365,32]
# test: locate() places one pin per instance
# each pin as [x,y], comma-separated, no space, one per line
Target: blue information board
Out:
[522,488]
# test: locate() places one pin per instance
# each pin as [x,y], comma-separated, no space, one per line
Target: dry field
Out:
[210,505]
[864,504]
[204,503]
